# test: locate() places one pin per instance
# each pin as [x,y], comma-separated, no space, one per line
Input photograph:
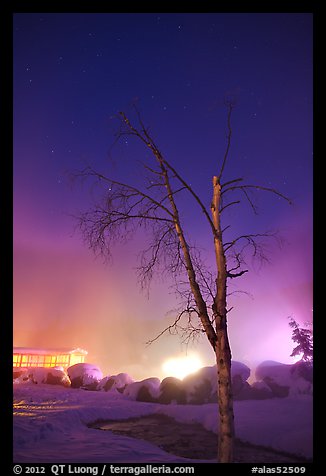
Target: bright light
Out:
[181,366]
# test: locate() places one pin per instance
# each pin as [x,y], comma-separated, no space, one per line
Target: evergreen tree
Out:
[304,340]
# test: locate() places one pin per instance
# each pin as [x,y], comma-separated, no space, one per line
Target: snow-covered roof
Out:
[52,351]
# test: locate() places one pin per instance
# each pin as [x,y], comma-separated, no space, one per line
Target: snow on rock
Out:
[49,375]
[146,390]
[115,382]
[240,369]
[285,379]
[21,375]
[172,391]
[304,370]
[84,375]
[263,389]
[201,386]
[54,376]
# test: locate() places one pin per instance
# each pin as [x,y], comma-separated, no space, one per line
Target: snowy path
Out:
[50,425]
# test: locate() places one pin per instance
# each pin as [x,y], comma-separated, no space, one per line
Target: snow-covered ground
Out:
[50,425]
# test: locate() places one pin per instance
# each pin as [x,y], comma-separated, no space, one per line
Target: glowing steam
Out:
[181,366]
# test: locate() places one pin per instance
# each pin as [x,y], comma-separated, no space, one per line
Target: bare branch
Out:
[236,275]
[230,106]
[229,205]
[225,184]
[162,255]
[257,187]
[250,239]
[89,172]
[188,331]
[145,137]
[251,203]
[192,192]
[239,291]
[168,329]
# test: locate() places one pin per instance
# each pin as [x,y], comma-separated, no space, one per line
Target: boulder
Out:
[172,391]
[84,375]
[18,372]
[115,382]
[303,370]
[286,379]
[48,375]
[261,391]
[144,391]
[144,395]
[201,386]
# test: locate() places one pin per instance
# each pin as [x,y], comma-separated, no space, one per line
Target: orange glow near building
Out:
[31,357]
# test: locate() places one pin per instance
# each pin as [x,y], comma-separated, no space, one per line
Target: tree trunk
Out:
[225,398]
[222,349]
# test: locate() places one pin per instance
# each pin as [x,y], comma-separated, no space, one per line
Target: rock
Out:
[172,391]
[237,385]
[249,392]
[261,391]
[46,375]
[76,382]
[303,370]
[57,377]
[144,395]
[18,373]
[84,375]
[286,379]
[280,391]
[106,385]
[146,390]
[201,386]
[115,382]
[240,369]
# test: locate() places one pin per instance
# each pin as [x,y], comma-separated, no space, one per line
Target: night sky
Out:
[72,74]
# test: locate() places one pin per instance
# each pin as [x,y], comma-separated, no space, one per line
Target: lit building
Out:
[34,357]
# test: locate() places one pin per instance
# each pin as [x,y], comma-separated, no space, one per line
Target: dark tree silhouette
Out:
[155,206]
[304,340]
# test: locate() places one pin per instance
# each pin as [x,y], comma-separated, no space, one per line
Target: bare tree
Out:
[124,208]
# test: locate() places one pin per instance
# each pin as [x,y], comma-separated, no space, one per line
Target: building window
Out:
[63,360]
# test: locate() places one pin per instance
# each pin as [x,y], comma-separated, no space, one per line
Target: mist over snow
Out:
[51,418]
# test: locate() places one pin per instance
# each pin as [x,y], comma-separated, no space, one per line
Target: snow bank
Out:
[50,425]
[284,424]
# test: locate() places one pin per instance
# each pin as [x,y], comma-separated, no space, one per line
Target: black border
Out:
[7,10]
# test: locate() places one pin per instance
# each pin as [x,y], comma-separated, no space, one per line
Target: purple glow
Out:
[72,73]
